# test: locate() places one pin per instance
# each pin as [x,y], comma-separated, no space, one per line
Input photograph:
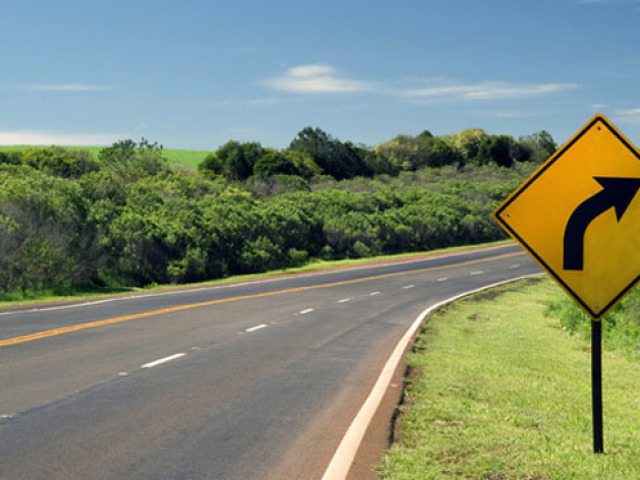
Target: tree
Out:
[132,161]
[468,142]
[273,163]
[59,162]
[340,160]
[233,160]
[496,149]
[540,146]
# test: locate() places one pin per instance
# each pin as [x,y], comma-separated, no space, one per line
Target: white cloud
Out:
[631,115]
[34,137]
[632,112]
[485,91]
[316,78]
[69,87]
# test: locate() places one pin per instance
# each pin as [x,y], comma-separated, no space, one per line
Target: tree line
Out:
[314,152]
[127,218]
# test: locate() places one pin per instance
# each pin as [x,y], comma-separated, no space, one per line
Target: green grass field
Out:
[499,391]
[188,158]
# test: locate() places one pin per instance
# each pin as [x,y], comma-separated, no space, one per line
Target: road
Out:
[249,381]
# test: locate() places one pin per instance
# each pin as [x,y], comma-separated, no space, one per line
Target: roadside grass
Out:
[175,156]
[314,265]
[498,390]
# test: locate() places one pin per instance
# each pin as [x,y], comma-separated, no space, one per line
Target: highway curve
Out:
[249,381]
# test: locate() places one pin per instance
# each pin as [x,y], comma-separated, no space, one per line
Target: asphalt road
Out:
[250,381]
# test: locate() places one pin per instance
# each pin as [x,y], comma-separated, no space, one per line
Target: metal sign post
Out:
[596,385]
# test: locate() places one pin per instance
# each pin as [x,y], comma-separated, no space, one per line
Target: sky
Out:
[194,74]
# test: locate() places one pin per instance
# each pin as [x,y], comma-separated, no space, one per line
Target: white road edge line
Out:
[308,310]
[257,327]
[345,454]
[162,360]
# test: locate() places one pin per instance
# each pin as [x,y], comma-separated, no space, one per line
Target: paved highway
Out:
[249,381]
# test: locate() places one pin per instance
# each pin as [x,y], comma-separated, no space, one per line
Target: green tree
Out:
[59,162]
[274,162]
[496,149]
[132,161]
[468,142]
[45,239]
[340,160]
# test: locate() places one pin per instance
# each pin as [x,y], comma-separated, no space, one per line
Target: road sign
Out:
[578,216]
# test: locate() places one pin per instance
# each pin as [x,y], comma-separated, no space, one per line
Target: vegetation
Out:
[497,391]
[125,216]
[175,157]
[620,327]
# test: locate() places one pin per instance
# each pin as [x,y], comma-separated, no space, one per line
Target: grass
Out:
[314,265]
[177,157]
[499,391]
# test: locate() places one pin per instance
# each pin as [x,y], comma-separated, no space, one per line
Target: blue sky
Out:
[194,74]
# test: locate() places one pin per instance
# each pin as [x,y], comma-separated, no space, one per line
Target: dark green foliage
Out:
[340,160]
[233,160]
[129,219]
[496,149]
[45,241]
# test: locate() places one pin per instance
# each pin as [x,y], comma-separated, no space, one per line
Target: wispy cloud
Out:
[485,91]
[69,87]
[316,78]
[35,137]
[630,115]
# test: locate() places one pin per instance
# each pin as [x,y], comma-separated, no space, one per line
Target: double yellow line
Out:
[125,318]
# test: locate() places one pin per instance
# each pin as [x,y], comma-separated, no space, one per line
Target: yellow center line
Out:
[125,318]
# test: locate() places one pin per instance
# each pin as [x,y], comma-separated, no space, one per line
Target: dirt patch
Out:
[477,317]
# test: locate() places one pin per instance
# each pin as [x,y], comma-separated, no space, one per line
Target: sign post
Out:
[578,216]
[596,386]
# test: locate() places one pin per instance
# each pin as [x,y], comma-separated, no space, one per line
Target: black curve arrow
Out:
[616,193]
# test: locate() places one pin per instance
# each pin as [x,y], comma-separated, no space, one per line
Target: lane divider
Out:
[257,327]
[162,360]
[346,452]
[125,318]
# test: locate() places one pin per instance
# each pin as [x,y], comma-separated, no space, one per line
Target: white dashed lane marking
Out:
[162,360]
[257,327]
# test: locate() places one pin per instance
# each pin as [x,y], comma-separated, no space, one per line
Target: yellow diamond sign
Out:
[578,216]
